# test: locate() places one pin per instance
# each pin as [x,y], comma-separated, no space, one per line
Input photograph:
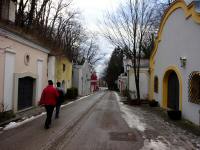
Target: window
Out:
[27,59]
[194,87]
[64,67]
[156,84]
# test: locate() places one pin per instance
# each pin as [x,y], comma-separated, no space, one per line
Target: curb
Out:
[20,117]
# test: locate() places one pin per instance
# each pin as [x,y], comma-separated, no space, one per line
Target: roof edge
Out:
[189,12]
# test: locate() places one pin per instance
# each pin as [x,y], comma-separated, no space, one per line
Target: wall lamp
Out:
[183,61]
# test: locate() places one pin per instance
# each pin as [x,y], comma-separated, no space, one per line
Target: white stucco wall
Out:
[189,1]
[81,78]
[76,78]
[21,47]
[40,65]
[122,83]
[86,74]
[51,68]
[9,80]
[144,82]
[2,61]
[12,10]
[180,37]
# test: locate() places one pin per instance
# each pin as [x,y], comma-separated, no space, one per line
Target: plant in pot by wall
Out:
[153,103]
[174,114]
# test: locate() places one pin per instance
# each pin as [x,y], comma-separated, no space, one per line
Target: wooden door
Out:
[173,91]
[25,93]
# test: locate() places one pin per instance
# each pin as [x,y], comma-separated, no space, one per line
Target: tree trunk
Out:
[31,13]
[138,88]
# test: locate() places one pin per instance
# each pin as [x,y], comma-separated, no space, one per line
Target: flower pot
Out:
[153,103]
[135,102]
[174,114]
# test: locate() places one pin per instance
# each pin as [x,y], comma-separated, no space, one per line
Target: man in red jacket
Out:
[48,99]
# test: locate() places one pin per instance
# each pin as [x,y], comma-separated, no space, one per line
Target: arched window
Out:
[194,87]
[156,84]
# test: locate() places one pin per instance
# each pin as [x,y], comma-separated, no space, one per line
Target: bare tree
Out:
[129,28]
[20,15]
[89,50]
[57,26]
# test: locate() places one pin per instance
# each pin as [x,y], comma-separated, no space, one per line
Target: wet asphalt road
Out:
[101,122]
[93,123]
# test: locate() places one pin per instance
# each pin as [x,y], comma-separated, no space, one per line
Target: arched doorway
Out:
[173,91]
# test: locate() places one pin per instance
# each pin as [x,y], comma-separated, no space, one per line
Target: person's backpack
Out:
[61,96]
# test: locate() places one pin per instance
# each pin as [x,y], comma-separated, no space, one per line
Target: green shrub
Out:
[153,103]
[72,93]
[126,93]
[6,115]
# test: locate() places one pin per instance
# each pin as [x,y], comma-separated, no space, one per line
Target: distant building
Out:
[94,82]
[81,78]
[143,82]
[60,69]
[122,83]
[102,82]
[7,10]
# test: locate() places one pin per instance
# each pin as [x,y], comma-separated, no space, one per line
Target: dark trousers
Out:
[49,110]
[57,110]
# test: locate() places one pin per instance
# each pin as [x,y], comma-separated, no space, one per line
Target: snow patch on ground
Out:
[67,104]
[131,119]
[76,100]
[83,97]
[154,145]
[12,125]
[103,88]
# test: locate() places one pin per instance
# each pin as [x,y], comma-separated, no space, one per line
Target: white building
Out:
[122,83]
[143,81]
[7,10]
[81,78]
[23,71]
[174,63]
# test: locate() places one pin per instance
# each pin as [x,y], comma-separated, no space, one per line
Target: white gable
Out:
[188,1]
[180,38]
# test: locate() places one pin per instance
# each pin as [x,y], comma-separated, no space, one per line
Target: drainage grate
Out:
[122,136]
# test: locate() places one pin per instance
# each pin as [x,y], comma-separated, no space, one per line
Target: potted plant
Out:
[153,103]
[174,114]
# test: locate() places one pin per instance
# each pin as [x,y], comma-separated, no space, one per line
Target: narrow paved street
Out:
[100,122]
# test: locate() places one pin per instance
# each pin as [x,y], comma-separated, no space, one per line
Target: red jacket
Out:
[49,96]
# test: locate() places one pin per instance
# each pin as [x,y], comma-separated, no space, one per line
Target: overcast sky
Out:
[93,12]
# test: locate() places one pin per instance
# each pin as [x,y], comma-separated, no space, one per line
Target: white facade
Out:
[51,68]
[12,11]
[23,62]
[81,78]
[144,83]
[9,80]
[122,83]
[8,10]
[179,38]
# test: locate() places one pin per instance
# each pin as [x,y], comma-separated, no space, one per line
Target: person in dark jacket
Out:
[60,99]
[48,100]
